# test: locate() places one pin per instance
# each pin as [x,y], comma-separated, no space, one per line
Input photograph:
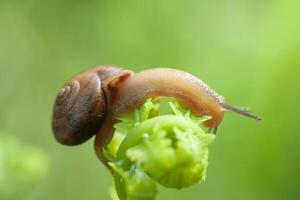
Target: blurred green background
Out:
[249,51]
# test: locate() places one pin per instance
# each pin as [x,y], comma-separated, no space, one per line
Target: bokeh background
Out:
[249,51]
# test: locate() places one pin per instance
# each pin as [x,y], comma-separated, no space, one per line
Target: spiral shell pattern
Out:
[79,109]
[81,105]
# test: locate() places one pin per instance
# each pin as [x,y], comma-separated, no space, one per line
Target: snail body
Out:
[170,83]
[90,102]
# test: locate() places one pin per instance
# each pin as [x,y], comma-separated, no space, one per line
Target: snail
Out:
[88,104]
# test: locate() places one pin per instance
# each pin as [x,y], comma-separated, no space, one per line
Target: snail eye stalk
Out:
[241,111]
[138,144]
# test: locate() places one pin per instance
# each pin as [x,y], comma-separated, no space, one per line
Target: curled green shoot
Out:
[149,148]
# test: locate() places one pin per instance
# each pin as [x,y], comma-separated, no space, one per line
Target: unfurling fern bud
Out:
[171,150]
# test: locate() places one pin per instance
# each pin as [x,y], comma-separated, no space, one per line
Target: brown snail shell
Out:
[80,106]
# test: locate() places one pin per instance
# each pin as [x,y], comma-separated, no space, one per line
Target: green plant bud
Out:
[133,184]
[150,148]
[173,150]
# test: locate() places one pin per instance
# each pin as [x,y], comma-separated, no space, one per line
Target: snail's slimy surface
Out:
[171,83]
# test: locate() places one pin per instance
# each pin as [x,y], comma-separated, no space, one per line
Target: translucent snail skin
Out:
[88,104]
